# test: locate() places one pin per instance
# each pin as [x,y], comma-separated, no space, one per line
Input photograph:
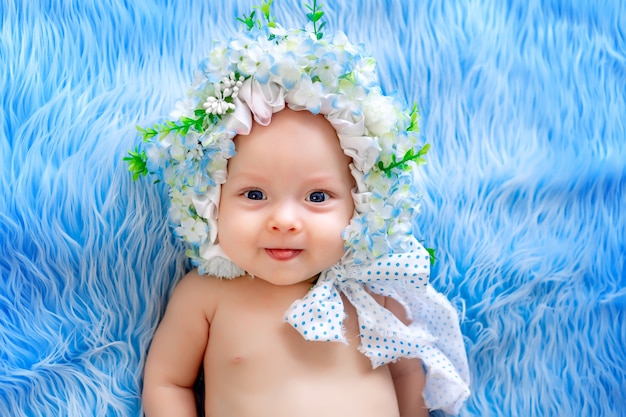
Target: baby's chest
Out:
[252,329]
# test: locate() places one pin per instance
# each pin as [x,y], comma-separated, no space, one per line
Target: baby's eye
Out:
[317,197]
[254,195]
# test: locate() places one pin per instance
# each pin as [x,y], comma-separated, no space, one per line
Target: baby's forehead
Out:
[297,121]
[298,131]
[287,137]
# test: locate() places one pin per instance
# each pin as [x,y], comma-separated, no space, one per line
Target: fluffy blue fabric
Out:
[522,101]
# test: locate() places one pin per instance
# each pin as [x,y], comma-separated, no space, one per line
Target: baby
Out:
[283,209]
[290,178]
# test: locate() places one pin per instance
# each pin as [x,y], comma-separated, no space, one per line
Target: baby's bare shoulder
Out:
[194,281]
[197,290]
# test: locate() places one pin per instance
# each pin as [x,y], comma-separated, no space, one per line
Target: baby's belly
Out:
[307,396]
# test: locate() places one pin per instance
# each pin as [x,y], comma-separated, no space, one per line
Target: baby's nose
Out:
[285,218]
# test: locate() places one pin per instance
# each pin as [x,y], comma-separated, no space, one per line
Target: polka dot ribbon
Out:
[433,336]
[319,315]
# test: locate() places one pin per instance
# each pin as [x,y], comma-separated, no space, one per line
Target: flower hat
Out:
[258,72]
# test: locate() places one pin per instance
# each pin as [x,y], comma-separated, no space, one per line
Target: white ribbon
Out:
[433,335]
[319,315]
[262,99]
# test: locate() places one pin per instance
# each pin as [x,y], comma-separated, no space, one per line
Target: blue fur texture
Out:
[523,102]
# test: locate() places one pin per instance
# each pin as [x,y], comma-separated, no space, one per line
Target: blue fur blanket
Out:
[523,102]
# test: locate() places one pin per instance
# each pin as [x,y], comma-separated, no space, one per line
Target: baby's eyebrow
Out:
[245,175]
[323,178]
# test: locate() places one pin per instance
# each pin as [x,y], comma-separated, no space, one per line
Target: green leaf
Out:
[424,150]
[147,134]
[266,8]
[409,156]
[137,163]
[315,16]
[414,126]
[431,254]
[248,20]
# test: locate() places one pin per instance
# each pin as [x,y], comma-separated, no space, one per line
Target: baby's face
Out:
[287,199]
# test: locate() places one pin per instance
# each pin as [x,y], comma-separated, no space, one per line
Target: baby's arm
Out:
[176,352]
[408,375]
[409,380]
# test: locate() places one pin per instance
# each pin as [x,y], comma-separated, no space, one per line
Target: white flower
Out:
[192,230]
[256,62]
[356,237]
[342,42]
[158,155]
[232,85]
[377,180]
[365,72]
[216,64]
[351,97]
[191,140]
[220,100]
[327,69]
[178,151]
[399,230]
[179,205]
[215,137]
[295,42]
[382,209]
[217,105]
[380,245]
[387,142]
[287,71]
[184,108]
[239,46]
[307,95]
[380,113]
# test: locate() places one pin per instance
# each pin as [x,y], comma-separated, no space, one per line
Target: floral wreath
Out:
[264,68]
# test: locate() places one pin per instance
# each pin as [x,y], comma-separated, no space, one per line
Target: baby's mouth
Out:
[283,254]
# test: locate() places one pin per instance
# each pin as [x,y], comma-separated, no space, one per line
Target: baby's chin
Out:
[282,281]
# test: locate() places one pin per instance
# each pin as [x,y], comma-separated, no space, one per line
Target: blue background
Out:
[523,103]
